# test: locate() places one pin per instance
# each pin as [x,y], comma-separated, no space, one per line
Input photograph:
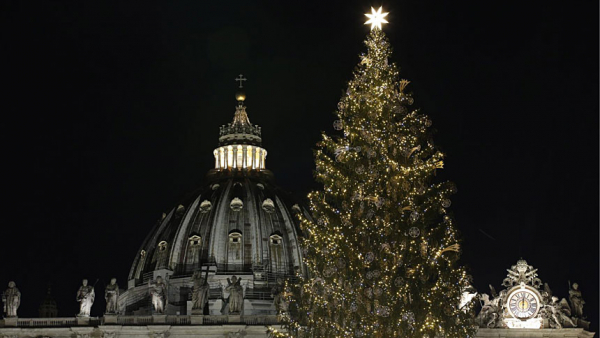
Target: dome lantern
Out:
[240,141]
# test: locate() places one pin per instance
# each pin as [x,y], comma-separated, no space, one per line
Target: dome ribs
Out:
[255,240]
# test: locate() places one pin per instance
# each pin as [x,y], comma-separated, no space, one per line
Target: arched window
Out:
[234,253]
[276,252]
[140,266]
[193,252]
[162,255]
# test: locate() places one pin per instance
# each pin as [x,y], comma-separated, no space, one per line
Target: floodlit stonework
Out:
[253,327]
[213,266]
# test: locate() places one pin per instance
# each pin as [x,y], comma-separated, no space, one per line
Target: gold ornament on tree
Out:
[453,247]
[402,85]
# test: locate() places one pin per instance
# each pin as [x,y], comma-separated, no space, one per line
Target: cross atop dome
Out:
[240,96]
[241,78]
[240,118]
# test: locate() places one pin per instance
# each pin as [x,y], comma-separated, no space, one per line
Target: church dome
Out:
[239,223]
[232,223]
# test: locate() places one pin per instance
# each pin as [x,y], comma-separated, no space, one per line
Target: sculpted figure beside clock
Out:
[527,303]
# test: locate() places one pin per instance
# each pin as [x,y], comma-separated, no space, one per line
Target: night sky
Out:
[110,113]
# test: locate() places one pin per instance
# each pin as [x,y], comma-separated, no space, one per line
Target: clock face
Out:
[523,303]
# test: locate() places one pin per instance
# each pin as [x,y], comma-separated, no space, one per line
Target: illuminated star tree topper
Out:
[376,18]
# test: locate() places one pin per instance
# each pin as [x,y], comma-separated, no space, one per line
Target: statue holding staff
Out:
[85,297]
[12,299]
[199,292]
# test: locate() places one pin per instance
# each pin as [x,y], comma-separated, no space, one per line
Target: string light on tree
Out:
[381,246]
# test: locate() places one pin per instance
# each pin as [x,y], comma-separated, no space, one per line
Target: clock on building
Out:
[523,302]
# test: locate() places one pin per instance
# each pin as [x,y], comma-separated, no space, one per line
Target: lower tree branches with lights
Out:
[382,246]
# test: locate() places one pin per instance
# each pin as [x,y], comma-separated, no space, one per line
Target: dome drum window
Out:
[236,204]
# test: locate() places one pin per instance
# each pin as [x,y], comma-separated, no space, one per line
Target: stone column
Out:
[235,164]
[257,159]
[244,157]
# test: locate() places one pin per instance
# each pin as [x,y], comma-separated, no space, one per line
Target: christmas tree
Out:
[381,247]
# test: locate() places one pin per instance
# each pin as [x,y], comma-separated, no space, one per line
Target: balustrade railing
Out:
[145,320]
[44,322]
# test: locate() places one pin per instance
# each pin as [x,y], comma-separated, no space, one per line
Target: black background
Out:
[110,113]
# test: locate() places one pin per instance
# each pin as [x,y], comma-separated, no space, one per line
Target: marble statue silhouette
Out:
[11,299]
[111,294]
[199,292]
[236,295]
[468,293]
[85,297]
[491,313]
[158,292]
[576,300]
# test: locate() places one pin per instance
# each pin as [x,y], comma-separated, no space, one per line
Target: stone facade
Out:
[248,327]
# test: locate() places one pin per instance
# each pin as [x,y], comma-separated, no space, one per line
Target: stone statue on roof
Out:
[12,299]
[85,297]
